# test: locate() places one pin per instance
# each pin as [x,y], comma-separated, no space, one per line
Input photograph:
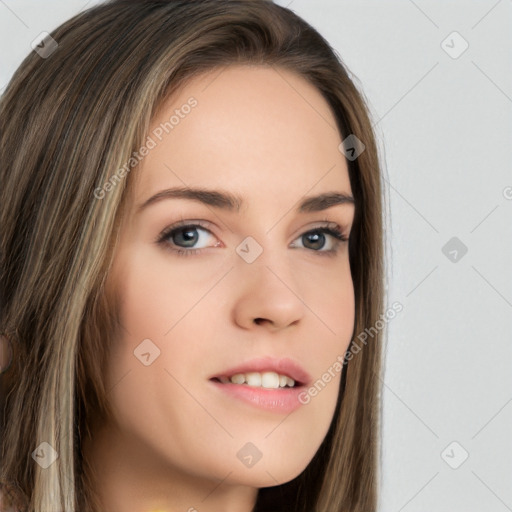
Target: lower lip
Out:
[282,400]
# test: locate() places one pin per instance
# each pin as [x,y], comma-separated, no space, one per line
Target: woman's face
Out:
[258,289]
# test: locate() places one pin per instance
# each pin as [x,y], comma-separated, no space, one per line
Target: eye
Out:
[182,238]
[317,237]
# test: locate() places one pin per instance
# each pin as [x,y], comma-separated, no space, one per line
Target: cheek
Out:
[164,323]
[156,291]
[330,298]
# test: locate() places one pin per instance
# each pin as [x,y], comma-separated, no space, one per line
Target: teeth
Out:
[239,378]
[253,379]
[268,380]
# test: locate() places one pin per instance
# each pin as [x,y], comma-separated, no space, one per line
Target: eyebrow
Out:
[230,202]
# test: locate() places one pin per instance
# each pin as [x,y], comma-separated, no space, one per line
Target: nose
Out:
[267,295]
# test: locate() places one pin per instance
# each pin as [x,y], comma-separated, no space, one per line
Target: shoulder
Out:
[9,499]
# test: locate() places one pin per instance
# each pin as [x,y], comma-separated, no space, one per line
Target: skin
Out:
[269,136]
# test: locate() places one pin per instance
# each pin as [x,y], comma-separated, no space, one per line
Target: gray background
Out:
[444,126]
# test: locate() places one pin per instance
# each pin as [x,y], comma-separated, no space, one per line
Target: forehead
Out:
[265,132]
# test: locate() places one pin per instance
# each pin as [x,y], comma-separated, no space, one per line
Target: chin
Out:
[268,475]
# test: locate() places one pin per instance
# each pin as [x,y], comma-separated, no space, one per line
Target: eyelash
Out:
[162,238]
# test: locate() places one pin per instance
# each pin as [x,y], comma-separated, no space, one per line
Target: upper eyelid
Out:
[208,225]
[345,229]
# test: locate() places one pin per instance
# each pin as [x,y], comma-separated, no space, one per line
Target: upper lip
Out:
[283,366]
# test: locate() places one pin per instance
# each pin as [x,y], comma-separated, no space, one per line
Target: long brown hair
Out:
[68,122]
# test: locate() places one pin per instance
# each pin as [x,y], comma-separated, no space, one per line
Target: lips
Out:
[282,366]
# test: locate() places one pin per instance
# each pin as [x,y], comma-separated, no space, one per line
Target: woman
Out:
[191,240]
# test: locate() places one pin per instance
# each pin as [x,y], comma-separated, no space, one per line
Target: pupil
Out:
[315,237]
[190,236]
